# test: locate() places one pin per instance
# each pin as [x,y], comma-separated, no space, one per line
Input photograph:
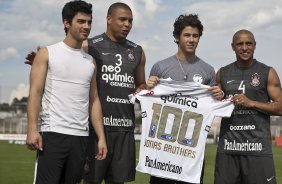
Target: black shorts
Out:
[61,160]
[244,169]
[157,180]
[120,163]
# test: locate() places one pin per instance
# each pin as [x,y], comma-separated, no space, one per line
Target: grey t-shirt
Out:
[196,71]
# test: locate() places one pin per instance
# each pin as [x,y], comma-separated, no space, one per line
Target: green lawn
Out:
[209,165]
[17,164]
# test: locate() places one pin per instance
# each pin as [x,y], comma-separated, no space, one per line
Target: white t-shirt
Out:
[65,101]
[177,117]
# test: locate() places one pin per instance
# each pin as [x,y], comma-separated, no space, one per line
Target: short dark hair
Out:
[187,20]
[73,7]
[243,31]
[116,6]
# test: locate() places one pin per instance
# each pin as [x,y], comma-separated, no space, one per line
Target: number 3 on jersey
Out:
[172,124]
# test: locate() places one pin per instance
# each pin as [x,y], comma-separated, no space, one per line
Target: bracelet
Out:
[222,94]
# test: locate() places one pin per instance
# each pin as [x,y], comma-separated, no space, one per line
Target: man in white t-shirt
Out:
[63,94]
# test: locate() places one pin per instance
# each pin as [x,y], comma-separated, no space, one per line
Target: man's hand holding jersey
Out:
[216,92]
[152,81]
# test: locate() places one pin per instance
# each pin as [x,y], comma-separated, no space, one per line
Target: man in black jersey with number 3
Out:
[244,153]
[120,71]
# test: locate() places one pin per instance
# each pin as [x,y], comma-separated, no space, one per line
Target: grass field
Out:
[17,164]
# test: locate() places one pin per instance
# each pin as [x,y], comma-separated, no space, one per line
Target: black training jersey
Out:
[247,131]
[116,66]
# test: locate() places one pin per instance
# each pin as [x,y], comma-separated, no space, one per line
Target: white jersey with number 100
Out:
[176,119]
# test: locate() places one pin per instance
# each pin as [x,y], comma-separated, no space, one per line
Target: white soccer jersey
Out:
[177,117]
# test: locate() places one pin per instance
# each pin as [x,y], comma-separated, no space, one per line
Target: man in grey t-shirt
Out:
[184,65]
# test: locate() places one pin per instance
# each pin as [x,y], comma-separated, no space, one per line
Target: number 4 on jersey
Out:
[241,88]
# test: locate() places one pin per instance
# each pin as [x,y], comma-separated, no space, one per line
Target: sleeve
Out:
[137,96]
[213,78]
[223,108]
[155,70]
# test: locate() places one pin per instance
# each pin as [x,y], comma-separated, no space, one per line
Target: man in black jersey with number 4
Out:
[244,153]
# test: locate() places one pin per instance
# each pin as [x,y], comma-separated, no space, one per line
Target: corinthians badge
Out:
[130,55]
[255,80]
[198,78]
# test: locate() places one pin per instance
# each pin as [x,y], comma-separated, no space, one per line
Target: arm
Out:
[37,81]
[217,79]
[216,89]
[140,81]
[274,91]
[30,57]
[95,111]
